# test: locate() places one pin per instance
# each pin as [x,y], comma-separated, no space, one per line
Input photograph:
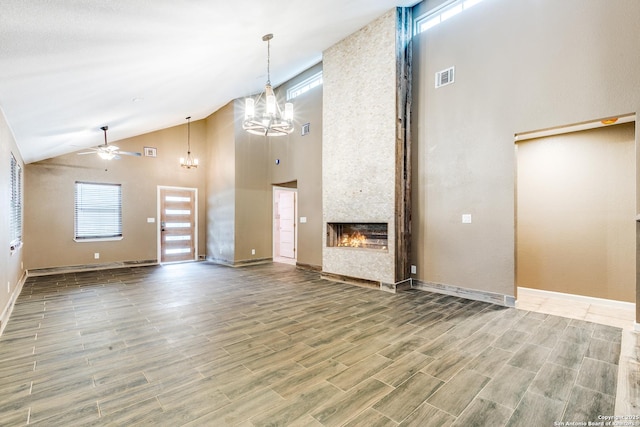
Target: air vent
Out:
[445,77]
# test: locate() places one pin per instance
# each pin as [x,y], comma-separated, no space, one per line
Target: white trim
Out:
[592,124]
[577,298]
[98,239]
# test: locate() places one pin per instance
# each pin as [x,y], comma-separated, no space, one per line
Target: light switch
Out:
[466,218]
[303,219]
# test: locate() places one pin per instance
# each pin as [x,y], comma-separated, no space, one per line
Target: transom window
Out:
[304,86]
[98,211]
[440,14]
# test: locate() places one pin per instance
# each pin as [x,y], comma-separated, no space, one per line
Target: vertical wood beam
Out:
[404,33]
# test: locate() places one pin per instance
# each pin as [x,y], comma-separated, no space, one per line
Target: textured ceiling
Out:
[68,67]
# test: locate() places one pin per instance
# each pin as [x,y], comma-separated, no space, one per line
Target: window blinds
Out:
[15,216]
[98,211]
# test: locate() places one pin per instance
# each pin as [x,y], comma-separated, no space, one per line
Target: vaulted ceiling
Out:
[68,67]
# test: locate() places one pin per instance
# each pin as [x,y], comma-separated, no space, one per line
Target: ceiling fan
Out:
[108,152]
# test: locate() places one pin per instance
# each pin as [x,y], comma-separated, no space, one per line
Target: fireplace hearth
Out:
[368,235]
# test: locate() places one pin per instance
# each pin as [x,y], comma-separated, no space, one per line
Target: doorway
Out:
[178,213]
[576,205]
[285,236]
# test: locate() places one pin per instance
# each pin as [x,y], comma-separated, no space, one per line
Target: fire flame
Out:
[354,240]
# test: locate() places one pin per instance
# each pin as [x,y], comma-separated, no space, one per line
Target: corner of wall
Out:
[8,309]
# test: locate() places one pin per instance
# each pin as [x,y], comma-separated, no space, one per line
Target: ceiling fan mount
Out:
[108,152]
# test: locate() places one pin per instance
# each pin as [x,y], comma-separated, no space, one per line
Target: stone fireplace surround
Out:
[366,151]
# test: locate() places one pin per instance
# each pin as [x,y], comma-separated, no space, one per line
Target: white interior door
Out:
[287,229]
[285,238]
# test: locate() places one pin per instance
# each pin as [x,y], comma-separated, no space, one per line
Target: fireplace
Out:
[368,235]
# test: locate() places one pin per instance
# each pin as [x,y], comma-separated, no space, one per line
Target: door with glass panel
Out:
[177,224]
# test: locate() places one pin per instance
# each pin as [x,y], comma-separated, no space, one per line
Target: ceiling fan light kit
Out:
[109,152]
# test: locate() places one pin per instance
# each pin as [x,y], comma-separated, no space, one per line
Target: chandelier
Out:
[188,162]
[270,120]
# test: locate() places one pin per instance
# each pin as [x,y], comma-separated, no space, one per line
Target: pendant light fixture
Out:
[188,162]
[266,117]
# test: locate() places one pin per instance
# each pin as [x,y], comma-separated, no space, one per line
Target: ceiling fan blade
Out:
[130,153]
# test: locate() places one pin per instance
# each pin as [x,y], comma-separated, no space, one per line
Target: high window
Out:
[98,211]
[304,86]
[15,216]
[442,13]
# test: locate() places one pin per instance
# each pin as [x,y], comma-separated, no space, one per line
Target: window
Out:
[98,211]
[15,216]
[304,86]
[441,14]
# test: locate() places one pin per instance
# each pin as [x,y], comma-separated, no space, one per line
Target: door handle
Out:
[162,225]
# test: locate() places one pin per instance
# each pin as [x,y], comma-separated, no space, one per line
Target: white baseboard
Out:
[577,298]
[6,313]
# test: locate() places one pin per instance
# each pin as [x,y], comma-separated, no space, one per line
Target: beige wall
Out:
[220,185]
[576,211]
[234,181]
[301,163]
[520,66]
[49,198]
[242,175]
[253,205]
[11,270]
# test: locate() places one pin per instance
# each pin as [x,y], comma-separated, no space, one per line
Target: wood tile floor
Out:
[206,345]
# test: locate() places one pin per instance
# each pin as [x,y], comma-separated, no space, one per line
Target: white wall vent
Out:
[445,77]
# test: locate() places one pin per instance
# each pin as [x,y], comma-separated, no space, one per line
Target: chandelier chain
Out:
[269,61]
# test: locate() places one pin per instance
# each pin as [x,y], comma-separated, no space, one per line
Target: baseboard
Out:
[6,313]
[242,263]
[472,294]
[365,283]
[577,298]
[309,267]
[89,267]
[402,285]
[393,288]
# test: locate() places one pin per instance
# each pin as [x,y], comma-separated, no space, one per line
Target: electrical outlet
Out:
[96,255]
[414,269]
[253,251]
[466,218]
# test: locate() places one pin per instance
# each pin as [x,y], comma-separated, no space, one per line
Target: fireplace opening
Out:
[369,235]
